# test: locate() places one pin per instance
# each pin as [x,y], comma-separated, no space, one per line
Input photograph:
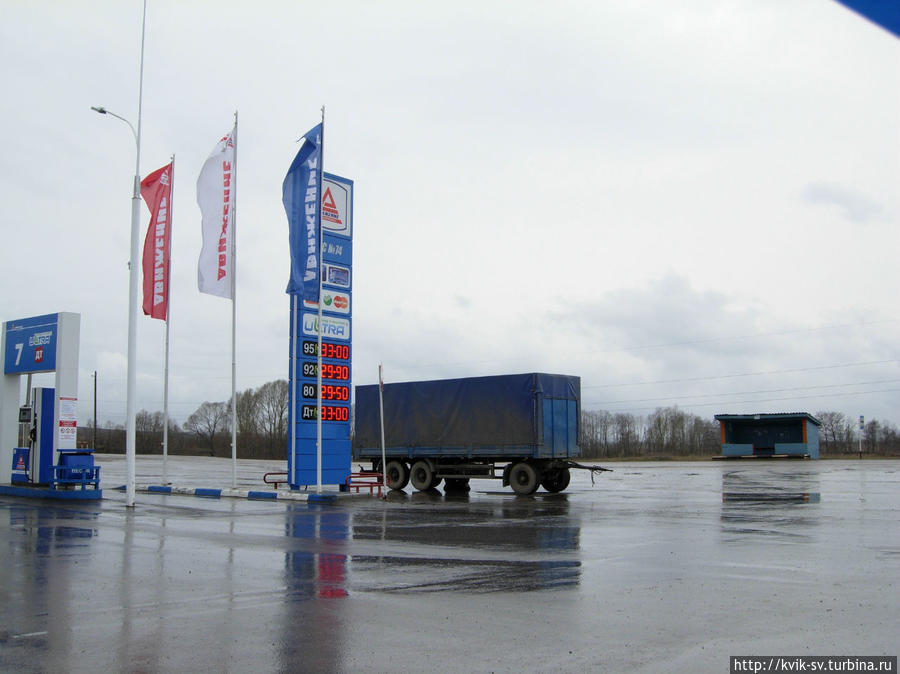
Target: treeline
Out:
[262,416]
[840,434]
[669,432]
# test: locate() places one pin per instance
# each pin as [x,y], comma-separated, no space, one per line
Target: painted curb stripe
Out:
[322,498]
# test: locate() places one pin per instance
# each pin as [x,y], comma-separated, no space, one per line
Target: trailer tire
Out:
[524,478]
[422,476]
[397,475]
[556,480]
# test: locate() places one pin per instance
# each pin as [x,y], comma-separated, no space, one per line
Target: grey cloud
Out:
[855,207]
[670,313]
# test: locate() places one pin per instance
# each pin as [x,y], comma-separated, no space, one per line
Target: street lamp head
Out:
[99,109]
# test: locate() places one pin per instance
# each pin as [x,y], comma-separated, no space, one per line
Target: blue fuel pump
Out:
[34,464]
[51,465]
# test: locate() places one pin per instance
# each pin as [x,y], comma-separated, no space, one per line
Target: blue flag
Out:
[301,194]
[885,13]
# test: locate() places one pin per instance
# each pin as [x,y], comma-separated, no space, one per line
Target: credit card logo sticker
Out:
[335,275]
[333,301]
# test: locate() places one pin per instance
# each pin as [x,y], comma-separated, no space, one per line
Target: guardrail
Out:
[75,475]
[365,480]
[275,482]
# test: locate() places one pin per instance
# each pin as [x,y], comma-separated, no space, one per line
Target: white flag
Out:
[215,196]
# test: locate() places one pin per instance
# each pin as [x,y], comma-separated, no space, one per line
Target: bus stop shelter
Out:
[791,434]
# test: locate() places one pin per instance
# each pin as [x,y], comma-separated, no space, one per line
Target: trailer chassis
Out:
[523,475]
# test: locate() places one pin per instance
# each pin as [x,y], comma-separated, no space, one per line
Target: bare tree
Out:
[247,409]
[273,414]
[832,433]
[148,431]
[626,434]
[659,429]
[703,436]
[207,421]
[871,436]
[591,440]
[888,440]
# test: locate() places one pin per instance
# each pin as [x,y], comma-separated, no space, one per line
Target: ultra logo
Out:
[39,339]
[336,328]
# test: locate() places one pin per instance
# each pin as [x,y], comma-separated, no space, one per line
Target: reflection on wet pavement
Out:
[657,566]
[522,544]
[766,503]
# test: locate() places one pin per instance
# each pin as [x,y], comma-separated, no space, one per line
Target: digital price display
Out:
[329,392]
[329,371]
[329,413]
[329,350]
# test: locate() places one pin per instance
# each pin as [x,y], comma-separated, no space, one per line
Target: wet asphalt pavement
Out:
[656,567]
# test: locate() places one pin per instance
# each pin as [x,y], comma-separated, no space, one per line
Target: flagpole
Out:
[381,417]
[234,308]
[131,378]
[168,316]
[165,442]
[292,459]
[319,322]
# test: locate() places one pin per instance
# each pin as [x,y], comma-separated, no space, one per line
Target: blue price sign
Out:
[334,384]
[31,344]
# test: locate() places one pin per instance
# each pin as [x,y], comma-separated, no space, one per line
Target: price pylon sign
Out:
[335,327]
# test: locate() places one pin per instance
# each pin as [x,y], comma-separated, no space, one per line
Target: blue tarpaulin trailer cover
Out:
[498,411]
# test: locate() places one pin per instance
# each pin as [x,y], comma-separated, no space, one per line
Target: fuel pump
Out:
[22,452]
[42,451]
[39,344]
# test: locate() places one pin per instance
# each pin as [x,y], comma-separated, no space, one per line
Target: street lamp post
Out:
[133,281]
[94,429]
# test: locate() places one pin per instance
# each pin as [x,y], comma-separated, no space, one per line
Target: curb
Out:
[250,494]
[201,492]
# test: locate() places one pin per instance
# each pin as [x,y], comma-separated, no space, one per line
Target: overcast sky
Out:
[687,203]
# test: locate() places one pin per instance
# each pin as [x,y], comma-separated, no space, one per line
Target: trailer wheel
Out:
[397,475]
[422,476]
[524,478]
[556,480]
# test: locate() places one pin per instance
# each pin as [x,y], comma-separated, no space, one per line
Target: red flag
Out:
[156,189]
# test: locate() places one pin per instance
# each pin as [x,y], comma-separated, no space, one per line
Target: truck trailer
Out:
[521,429]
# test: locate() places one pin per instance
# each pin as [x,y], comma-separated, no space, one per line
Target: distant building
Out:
[792,434]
